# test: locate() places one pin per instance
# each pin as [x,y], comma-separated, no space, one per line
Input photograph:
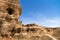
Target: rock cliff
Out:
[10,10]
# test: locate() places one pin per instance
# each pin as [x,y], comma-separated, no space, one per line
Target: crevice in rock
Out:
[10,11]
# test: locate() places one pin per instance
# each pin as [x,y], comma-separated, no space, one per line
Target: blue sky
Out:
[41,12]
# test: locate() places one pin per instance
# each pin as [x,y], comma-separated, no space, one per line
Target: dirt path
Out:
[51,37]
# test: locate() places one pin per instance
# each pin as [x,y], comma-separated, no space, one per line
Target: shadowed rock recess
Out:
[12,29]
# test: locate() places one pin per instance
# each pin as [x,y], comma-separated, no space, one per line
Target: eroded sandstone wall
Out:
[10,10]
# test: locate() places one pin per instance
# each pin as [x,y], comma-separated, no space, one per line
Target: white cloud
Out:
[55,22]
[46,21]
[52,21]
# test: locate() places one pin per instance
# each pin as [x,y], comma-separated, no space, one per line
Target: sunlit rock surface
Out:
[10,10]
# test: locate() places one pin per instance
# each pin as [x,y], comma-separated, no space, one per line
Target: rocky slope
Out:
[36,32]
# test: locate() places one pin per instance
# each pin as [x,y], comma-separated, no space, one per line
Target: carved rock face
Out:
[14,12]
[10,8]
